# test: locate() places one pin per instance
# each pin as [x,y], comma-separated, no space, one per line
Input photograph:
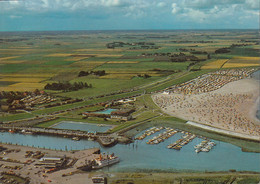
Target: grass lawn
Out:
[144,66]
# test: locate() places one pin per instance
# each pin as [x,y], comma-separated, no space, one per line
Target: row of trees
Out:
[145,76]
[86,73]
[222,51]
[67,86]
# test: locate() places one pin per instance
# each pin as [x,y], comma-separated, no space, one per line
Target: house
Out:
[122,114]
[52,161]
[99,180]
[124,101]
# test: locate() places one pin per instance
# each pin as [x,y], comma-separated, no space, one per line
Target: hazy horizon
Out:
[132,30]
[55,15]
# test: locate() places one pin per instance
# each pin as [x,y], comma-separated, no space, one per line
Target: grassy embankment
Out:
[184,178]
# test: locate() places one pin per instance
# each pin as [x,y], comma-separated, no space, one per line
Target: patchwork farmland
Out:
[100,68]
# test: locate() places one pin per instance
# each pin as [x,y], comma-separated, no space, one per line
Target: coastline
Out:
[248,107]
[221,131]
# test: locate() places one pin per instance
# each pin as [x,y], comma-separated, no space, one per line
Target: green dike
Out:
[186,177]
[89,120]
[49,123]
[14,117]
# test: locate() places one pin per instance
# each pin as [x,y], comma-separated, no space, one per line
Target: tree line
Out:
[86,73]
[67,86]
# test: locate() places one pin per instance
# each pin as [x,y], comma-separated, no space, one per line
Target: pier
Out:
[163,136]
[182,142]
[76,135]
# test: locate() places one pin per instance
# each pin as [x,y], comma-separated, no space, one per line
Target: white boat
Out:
[91,139]
[105,160]
[76,138]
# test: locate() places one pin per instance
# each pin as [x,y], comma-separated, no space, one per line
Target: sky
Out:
[46,15]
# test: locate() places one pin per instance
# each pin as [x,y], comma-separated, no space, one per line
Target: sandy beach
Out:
[232,107]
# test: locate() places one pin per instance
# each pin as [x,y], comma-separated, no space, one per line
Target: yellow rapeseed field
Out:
[122,62]
[23,87]
[16,79]
[98,50]
[247,58]
[10,57]
[76,58]
[237,62]
[237,65]
[58,55]
[16,75]
[215,64]
[108,55]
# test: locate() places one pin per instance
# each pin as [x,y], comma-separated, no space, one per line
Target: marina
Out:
[141,156]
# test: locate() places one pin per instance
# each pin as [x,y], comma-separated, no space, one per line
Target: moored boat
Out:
[105,160]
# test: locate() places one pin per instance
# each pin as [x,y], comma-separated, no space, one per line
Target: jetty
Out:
[149,132]
[163,136]
[104,140]
[182,142]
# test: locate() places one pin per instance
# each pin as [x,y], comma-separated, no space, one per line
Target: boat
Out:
[91,139]
[197,150]
[76,138]
[11,131]
[105,160]
[26,132]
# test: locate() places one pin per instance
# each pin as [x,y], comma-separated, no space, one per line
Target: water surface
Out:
[71,125]
[139,155]
[106,111]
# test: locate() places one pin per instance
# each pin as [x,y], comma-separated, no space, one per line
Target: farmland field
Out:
[217,64]
[242,62]
[62,57]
